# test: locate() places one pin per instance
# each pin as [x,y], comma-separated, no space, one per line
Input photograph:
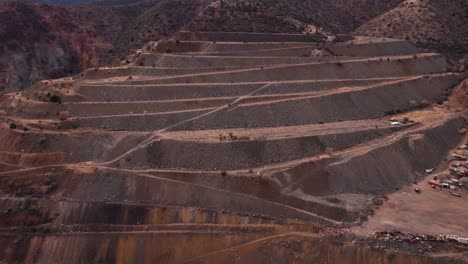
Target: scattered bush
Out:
[232,137]
[55,98]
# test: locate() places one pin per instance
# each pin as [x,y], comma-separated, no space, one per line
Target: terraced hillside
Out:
[222,147]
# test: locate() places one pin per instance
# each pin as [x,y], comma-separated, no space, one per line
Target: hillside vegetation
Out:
[439,25]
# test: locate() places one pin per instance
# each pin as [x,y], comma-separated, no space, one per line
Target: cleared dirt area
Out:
[235,148]
[433,210]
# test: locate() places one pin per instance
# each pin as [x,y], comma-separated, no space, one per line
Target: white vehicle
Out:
[429,171]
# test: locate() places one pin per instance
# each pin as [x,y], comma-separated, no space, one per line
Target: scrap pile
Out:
[456,177]
[399,236]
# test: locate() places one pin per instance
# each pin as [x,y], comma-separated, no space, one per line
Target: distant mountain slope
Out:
[433,24]
[40,41]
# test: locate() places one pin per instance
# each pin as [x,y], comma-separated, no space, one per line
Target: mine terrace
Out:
[221,147]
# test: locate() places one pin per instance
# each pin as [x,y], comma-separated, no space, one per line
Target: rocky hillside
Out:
[40,41]
[48,41]
[432,24]
[292,15]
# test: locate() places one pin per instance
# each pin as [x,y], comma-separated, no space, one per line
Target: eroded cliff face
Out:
[44,42]
[25,67]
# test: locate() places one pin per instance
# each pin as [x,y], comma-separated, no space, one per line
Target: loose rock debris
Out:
[399,236]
